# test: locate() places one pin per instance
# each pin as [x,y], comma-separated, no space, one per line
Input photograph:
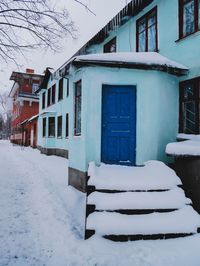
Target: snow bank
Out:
[184,148]
[107,223]
[154,175]
[172,199]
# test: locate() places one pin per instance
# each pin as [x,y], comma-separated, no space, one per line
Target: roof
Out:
[16,76]
[134,60]
[128,12]
[33,118]
[28,95]
[44,83]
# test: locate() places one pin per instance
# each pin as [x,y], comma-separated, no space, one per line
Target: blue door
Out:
[118,144]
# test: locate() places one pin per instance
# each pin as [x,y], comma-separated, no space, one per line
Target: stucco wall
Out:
[157,114]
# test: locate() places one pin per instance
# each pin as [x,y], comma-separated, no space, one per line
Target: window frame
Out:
[51,136]
[181,18]
[145,17]
[76,100]
[196,99]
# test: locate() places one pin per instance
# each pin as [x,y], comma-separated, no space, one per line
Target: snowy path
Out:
[38,226]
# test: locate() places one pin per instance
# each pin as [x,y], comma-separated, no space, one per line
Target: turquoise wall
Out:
[157,92]
[157,113]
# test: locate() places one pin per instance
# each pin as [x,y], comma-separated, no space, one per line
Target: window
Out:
[77,122]
[53,94]
[43,100]
[49,97]
[110,47]
[67,125]
[189,117]
[67,87]
[59,127]
[60,90]
[44,124]
[147,36]
[35,87]
[51,127]
[189,17]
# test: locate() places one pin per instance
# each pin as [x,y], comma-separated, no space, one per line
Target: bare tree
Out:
[5,114]
[28,24]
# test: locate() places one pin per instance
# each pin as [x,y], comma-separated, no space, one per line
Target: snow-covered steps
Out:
[131,203]
[153,176]
[171,199]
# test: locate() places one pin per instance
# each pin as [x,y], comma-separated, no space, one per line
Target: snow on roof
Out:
[32,118]
[133,58]
[184,148]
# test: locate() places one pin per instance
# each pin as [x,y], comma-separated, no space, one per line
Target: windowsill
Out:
[59,137]
[59,100]
[51,137]
[194,34]
[66,137]
[78,136]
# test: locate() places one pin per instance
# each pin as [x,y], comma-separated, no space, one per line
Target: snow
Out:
[42,220]
[154,175]
[33,117]
[142,58]
[106,223]
[184,148]
[172,199]
[188,136]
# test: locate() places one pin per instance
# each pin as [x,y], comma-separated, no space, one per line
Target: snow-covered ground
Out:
[41,221]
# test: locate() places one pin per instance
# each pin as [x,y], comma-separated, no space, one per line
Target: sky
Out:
[86,23]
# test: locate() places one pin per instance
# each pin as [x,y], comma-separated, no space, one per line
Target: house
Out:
[127,92]
[25,107]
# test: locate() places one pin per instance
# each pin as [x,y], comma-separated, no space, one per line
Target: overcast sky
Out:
[87,25]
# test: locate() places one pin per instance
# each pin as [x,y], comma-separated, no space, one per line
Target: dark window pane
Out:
[67,87]
[59,127]
[78,108]
[44,122]
[67,125]
[43,100]
[60,89]
[110,47]
[53,97]
[189,117]
[49,97]
[51,126]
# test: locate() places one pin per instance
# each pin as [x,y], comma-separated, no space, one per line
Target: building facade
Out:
[25,105]
[128,92]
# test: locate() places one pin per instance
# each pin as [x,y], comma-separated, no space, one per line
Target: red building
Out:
[25,107]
